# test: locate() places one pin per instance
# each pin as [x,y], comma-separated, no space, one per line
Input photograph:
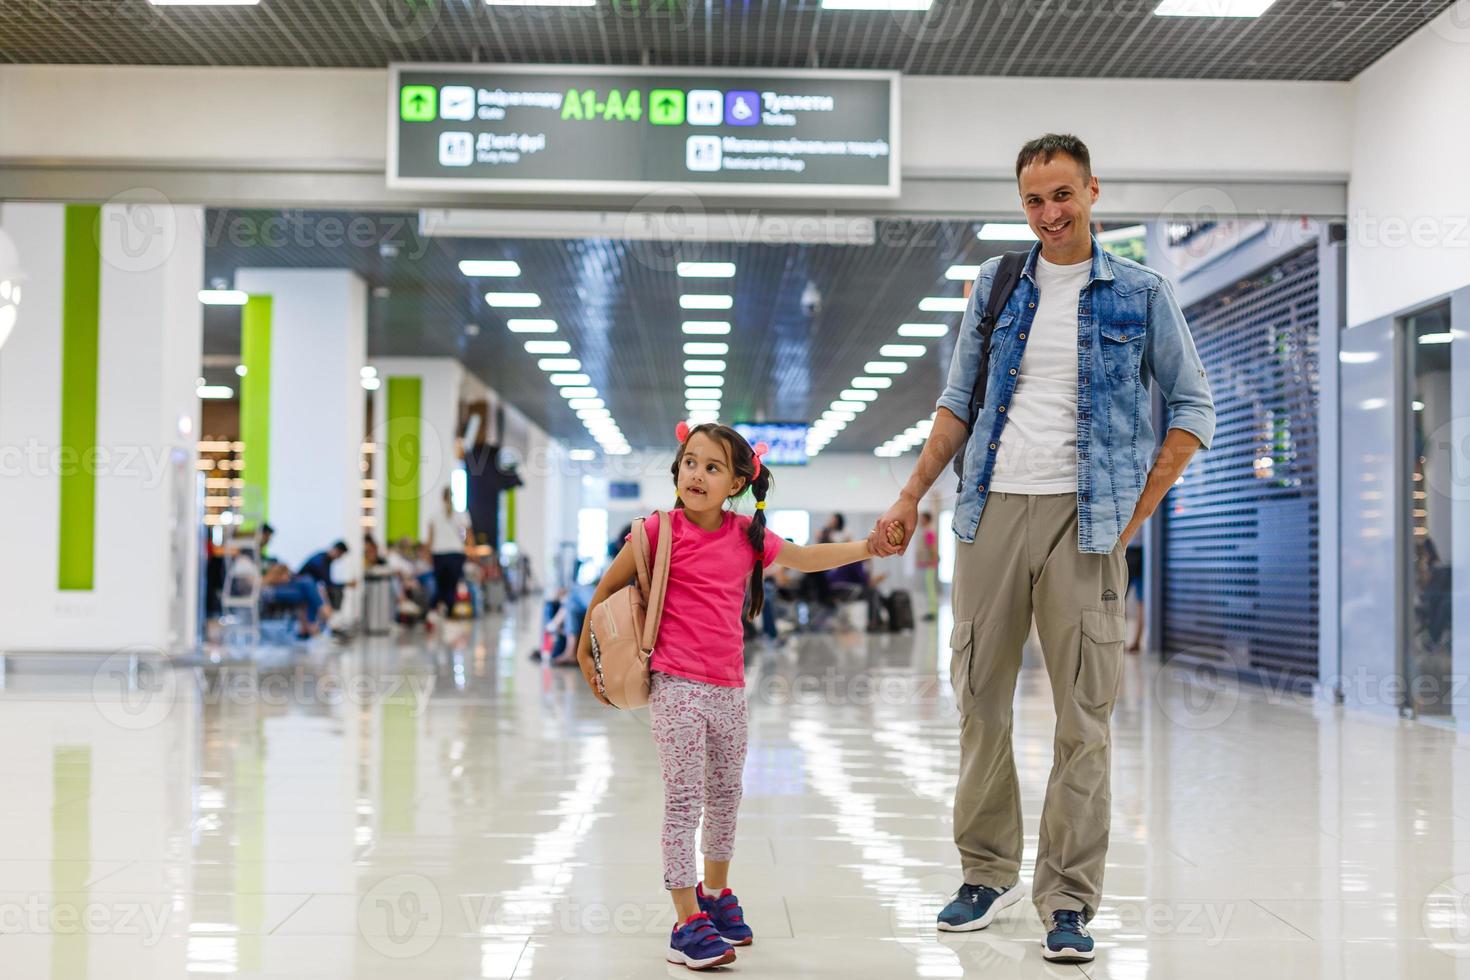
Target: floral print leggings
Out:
[700,730]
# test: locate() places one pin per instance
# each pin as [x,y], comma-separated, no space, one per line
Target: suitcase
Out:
[900,611]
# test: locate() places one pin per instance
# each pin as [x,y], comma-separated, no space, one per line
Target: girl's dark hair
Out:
[742,461]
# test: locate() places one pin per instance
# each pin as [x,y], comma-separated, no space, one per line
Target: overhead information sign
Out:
[500,128]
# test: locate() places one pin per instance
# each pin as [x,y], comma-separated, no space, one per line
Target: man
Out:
[1054,487]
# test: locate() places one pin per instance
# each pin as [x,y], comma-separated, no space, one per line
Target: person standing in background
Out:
[927,561]
[446,540]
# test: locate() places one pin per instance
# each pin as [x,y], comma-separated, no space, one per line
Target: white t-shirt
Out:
[1038,447]
[448,530]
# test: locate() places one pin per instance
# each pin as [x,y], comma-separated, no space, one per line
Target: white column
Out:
[440,379]
[143,554]
[317,409]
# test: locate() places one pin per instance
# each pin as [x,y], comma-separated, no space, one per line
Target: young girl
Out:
[716,560]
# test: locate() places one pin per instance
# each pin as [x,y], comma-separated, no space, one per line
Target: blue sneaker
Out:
[728,917]
[976,906]
[697,945]
[1068,940]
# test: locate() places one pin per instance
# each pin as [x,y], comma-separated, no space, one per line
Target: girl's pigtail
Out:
[760,484]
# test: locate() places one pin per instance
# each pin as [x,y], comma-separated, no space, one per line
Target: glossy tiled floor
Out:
[452,809]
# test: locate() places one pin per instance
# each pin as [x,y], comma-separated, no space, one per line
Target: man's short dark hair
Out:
[267,529]
[840,521]
[1043,148]
[341,546]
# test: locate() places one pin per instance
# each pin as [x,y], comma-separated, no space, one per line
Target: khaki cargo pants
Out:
[1025,561]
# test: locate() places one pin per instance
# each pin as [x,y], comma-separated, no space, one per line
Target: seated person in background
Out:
[318,568]
[278,588]
[371,556]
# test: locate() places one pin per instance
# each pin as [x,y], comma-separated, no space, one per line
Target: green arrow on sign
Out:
[418,103]
[666,107]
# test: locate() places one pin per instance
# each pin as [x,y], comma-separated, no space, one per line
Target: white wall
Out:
[149,336]
[1408,197]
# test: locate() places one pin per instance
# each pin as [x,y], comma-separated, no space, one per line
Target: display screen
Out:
[493,128]
[786,439]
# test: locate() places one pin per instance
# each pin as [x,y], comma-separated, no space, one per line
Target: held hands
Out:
[895,529]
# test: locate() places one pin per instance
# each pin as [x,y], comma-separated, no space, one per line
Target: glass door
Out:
[1427,515]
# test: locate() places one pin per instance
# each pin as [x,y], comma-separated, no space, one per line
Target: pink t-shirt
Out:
[700,636]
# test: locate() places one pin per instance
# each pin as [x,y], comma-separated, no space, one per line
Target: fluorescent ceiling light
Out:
[513,300]
[858,395]
[702,405]
[831,425]
[877,384]
[214,391]
[844,406]
[885,367]
[517,325]
[1373,404]
[369,372]
[711,328]
[1006,231]
[698,347]
[706,270]
[548,347]
[1212,8]
[241,370]
[622,450]
[702,393]
[901,350]
[923,329]
[223,297]
[372,384]
[706,301]
[877,4]
[837,416]
[701,365]
[576,403]
[540,3]
[1437,338]
[699,418]
[204,3]
[578,392]
[943,304]
[582,455]
[1122,234]
[559,364]
[962,273]
[588,414]
[602,428]
[703,381]
[1357,356]
[570,380]
[496,268]
[1418,406]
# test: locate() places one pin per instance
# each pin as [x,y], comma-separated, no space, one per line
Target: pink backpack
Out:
[625,626]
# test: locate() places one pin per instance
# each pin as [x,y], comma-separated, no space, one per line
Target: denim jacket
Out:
[1130,330]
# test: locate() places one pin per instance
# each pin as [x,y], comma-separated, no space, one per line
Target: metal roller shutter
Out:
[1240,535]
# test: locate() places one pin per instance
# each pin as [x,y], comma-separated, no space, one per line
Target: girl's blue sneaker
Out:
[697,945]
[728,917]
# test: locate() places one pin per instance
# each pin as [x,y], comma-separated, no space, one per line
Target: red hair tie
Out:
[682,431]
[760,449]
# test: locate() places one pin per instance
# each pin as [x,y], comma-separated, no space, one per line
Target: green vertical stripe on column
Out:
[255,408]
[71,854]
[80,316]
[510,514]
[401,458]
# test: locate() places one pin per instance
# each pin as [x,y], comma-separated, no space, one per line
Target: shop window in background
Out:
[1429,498]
